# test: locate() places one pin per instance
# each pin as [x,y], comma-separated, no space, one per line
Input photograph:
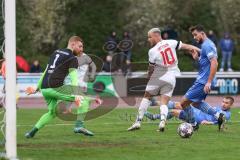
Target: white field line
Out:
[107,123]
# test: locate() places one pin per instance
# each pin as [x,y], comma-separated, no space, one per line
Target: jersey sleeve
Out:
[211,52]
[88,59]
[151,57]
[41,79]
[179,45]
[73,63]
[228,115]
[93,69]
[175,44]
[73,76]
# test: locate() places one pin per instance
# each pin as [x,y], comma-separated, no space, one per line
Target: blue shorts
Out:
[196,92]
[198,118]
[198,115]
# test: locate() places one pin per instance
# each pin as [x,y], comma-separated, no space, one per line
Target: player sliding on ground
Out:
[162,72]
[200,117]
[61,64]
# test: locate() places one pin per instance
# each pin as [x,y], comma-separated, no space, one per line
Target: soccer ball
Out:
[185,130]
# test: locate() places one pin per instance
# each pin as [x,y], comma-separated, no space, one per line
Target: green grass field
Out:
[112,142]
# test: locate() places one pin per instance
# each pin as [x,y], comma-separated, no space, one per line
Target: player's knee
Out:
[165,99]
[177,105]
[175,112]
[52,112]
[147,95]
[185,103]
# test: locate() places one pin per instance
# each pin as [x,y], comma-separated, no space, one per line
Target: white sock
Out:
[143,108]
[163,112]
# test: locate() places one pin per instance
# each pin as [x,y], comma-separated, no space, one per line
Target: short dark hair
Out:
[198,27]
[230,98]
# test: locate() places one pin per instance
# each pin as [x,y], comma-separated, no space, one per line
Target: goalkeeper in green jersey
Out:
[61,64]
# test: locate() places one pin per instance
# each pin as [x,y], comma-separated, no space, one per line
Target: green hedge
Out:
[43,26]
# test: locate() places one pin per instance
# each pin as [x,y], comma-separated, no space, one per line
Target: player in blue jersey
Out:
[200,116]
[207,60]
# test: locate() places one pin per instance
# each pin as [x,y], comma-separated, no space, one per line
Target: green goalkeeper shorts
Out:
[53,95]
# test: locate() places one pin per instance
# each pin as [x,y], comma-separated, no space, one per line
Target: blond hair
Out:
[74,39]
[154,30]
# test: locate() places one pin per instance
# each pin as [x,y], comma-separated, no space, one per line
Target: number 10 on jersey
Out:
[168,57]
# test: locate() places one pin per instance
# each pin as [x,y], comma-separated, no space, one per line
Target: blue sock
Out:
[183,116]
[170,115]
[189,115]
[157,116]
[171,105]
[206,108]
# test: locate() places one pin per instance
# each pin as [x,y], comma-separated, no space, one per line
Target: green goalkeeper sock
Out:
[81,110]
[79,124]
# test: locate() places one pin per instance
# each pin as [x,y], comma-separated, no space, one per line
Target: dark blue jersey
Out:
[58,68]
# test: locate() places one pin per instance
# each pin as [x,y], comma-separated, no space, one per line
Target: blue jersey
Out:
[200,116]
[227,113]
[208,51]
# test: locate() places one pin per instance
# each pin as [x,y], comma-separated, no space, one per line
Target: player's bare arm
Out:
[189,47]
[93,71]
[213,70]
[194,51]
[32,90]
[150,70]
[205,122]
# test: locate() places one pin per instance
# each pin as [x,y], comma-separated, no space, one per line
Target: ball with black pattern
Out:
[185,130]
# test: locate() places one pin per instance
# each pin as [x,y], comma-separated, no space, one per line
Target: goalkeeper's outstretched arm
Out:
[32,90]
[41,79]
[73,76]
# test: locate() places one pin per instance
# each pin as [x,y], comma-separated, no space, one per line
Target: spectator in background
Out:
[226,46]
[171,33]
[107,64]
[212,37]
[111,43]
[113,37]
[165,35]
[35,67]
[22,64]
[127,49]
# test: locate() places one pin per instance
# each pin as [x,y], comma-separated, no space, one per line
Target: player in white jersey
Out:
[82,71]
[84,63]
[162,71]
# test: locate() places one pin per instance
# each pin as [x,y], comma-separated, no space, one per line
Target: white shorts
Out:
[82,84]
[163,85]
